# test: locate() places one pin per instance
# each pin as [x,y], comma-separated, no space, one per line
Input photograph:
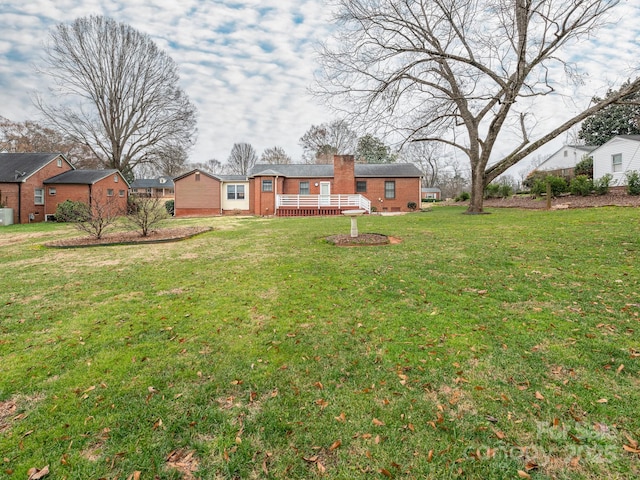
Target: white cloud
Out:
[247,64]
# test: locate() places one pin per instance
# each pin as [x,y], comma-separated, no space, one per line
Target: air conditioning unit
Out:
[49,217]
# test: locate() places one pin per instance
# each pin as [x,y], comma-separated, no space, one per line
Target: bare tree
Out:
[30,136]
[212,166]
[460,72]
[242,158]
[93,218]
[275,155]
[427,156]
[147,213]
[120,93]
[321,142]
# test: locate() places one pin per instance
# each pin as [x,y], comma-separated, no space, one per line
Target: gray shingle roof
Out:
[368,170]
[17,167]
[79,177]
[153,182]
[233,178]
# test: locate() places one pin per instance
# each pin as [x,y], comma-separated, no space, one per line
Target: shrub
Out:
[148,213]
[412,206]
[558,185]
[72,212]
[601,185]
[462,197]
[581,185]
[505,191]
[492,191]
[170,206]
[633,182]
[584,167]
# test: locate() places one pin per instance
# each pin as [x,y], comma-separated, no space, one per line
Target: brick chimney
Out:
[344,179]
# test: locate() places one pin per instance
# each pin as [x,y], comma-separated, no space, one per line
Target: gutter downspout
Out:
[275,198]
[19,202]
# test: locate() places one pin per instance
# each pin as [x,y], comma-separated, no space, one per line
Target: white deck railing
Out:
[323,201]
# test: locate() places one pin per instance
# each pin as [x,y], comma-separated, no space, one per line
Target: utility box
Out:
[6,216]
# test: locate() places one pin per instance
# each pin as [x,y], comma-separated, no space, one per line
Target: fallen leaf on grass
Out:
[602,400]
[35,474]
[539,396]
[377,423]
[335,445]
[341,418]
[135,475]
[632,441]
[499,434]
[523,474]
[386,473]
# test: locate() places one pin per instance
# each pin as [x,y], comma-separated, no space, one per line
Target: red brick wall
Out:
[197,198]
[343,175]
[27,203]
[292,185]
[407,190]
[9,194]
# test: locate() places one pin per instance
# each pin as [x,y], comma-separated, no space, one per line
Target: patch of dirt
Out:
[7,410]
[618,199]
[362,240]
[131,237]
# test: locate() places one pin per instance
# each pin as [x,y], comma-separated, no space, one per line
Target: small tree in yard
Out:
[147,213]
[94,218]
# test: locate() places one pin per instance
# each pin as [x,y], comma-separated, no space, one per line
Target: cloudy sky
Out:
[248,64]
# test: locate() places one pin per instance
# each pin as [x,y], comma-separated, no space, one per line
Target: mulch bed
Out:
[362,240]
[617,199]
[130,238]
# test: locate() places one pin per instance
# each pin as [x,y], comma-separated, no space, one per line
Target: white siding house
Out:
[562,162]
[619,155]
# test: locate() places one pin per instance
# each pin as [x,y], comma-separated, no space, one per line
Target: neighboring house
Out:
[562,162]
[161,187]
[105,187]
[295,190]
[21,182]
[432,193]
[33,184]
[618,156]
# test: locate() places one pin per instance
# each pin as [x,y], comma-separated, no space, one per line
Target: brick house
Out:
[108,187]
[27,184]
[300,190]
[294,190]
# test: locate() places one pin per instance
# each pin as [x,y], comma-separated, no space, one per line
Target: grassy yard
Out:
[496,346]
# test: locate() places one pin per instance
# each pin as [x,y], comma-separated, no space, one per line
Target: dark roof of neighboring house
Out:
[431,189]
[315,171]
[17,167]
[160,182]
[81,177]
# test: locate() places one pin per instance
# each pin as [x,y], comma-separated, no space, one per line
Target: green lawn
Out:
[494,346]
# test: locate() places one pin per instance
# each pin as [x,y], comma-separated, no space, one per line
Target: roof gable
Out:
[18,167]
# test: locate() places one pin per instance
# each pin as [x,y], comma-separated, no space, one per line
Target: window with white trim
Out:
[304,188]
[267,185]
[390,189]
[616,162]
[109,192]
[59,163]
[235,192]
[121,193]
[52,191]
[38,196]
[115,178]
[361,186]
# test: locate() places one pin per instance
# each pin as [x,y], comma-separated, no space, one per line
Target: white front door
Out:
[325,193]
